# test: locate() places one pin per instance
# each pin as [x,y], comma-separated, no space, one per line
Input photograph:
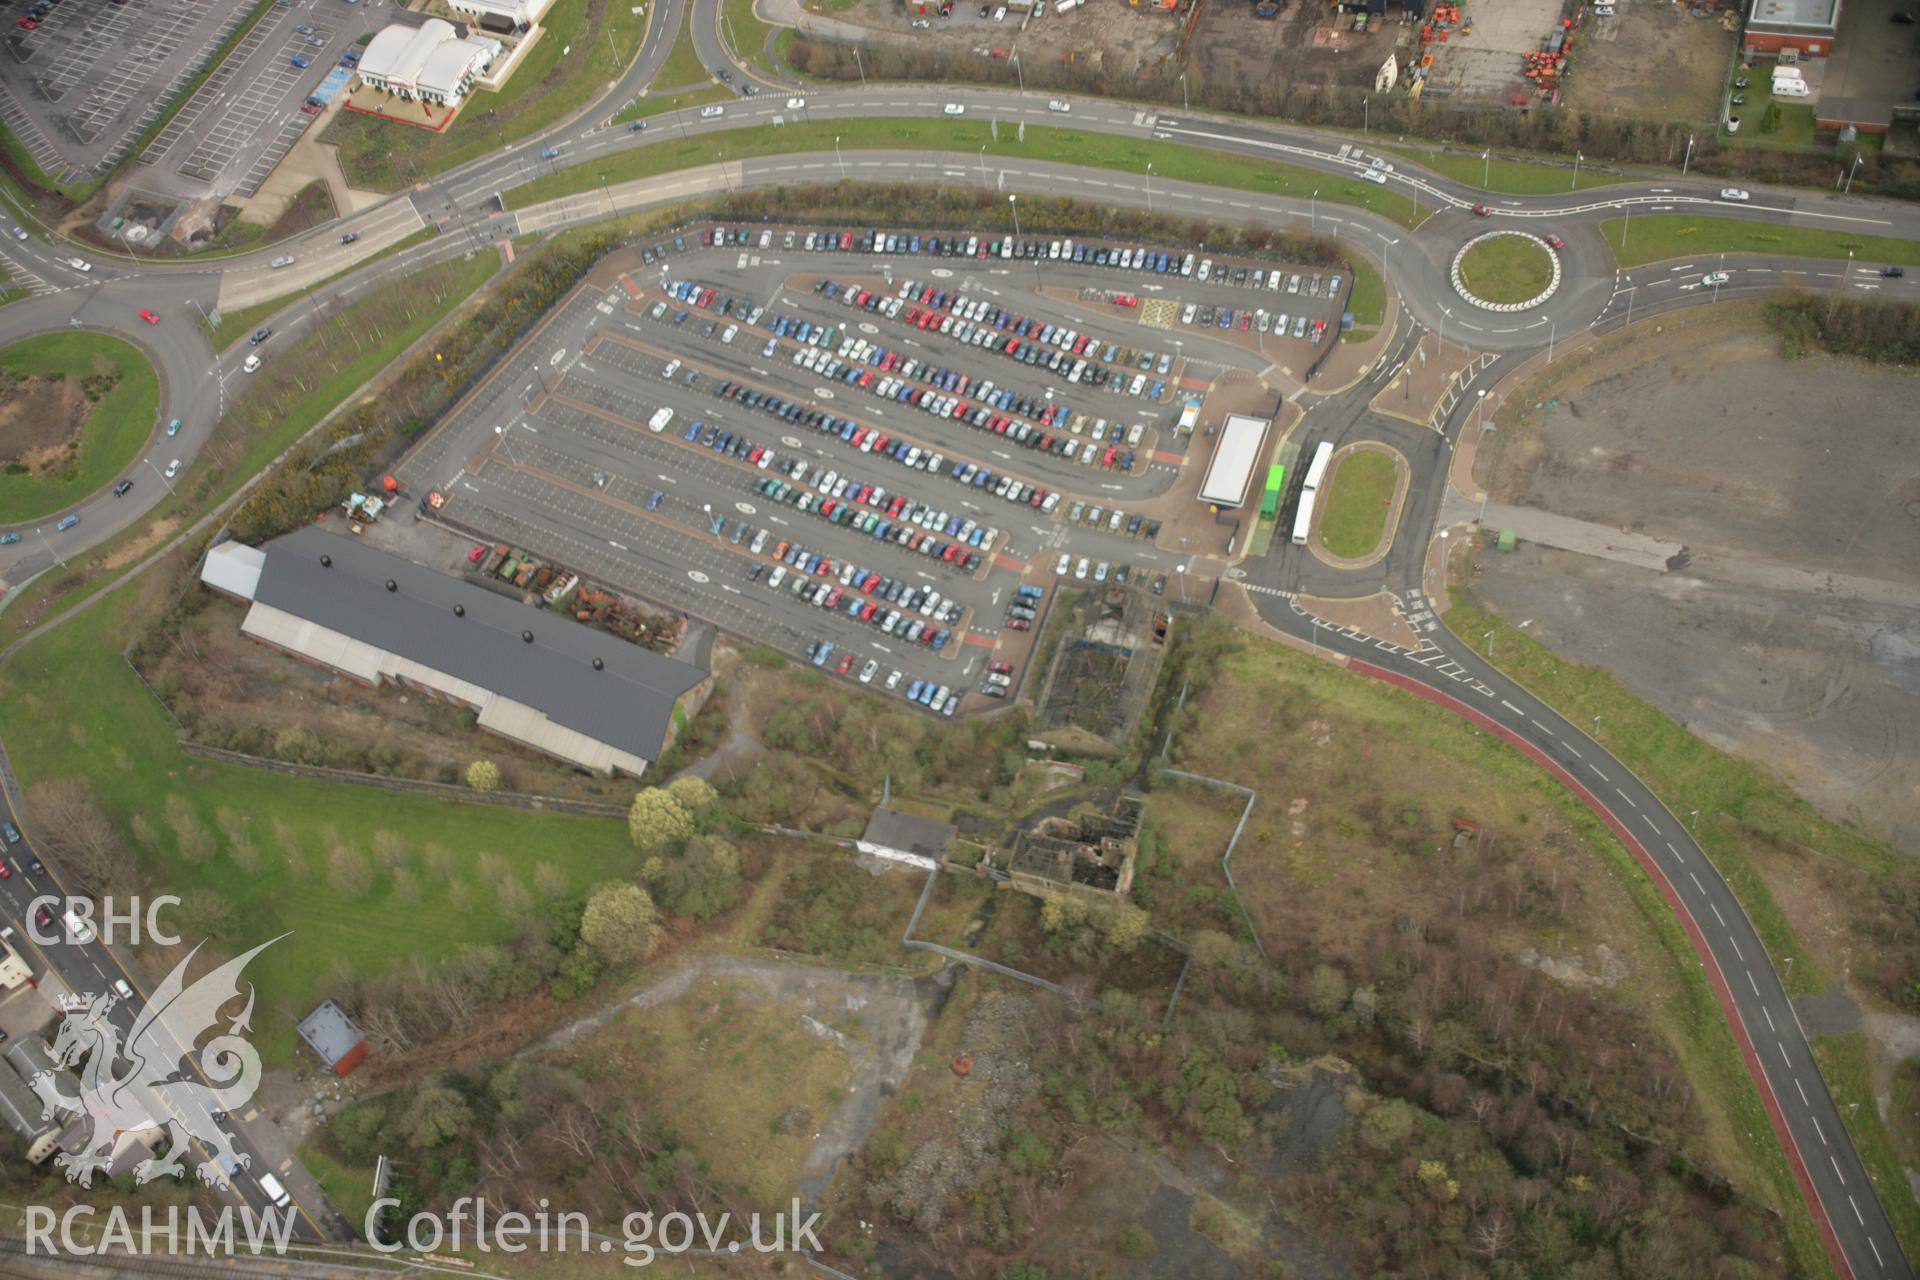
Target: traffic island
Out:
[76,408]
[1506,271]
[1366,493]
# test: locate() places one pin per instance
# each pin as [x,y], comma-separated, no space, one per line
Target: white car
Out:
[1065,566]
[252,365]
[1734,193]
[1375,176]
[796,104]
[712,113]
[1080,569]
[955,109]
[79,264]
[284,260]
[173,469]
[893,681]
[1061,105]
[1715,277]
[1380,166]
[866,672]
[1000,14]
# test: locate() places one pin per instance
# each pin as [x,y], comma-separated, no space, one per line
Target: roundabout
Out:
[75,410]
[1506,271]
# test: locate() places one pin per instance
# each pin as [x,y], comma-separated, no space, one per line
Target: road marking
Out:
[1542,728]
[1783,1054]
[1623,795]
[1596,769]
[1696,882]
[1738,955]
[1816,1119]
[1835,1161]
[1856,1210]
[1752,983]
[1769,1016]
[1716,912]
[1577,755]
[1509,706]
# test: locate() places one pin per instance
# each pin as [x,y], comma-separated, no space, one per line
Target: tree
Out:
[693,793]
[703,881]
[205,913]
[549,881]
[621,924]
[437,1115]
[1770,118]
[72,829]
[1126,926]
[657,821]
[1387,1125]
[348,871]
[1326,991]
[483,775]
[191,836]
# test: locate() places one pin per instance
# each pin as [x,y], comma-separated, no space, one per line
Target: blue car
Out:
[693,429]
[549,154]
[914,690]
[653,500]
[820,655]
[66,523]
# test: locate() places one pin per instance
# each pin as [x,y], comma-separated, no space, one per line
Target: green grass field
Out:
[72,708]
[965,139]
[1507,177]
[1357,498]
[1797,117]
[1661,237]
[1506,269]
[115,428]
[549,85]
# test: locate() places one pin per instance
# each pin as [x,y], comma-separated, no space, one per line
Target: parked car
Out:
[1734,193]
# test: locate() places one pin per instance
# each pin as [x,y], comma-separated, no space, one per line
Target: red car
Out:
[1246,321]
[148,316]
[846,664]
[1554,240]
[1482,211]
[475,554]
[1019,624]
[1000,668]
[26,24]
[1125,300]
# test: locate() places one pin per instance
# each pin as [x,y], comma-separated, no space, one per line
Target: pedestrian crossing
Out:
[21,276]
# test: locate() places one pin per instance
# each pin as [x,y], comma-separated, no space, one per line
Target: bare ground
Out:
[1791,636]
[40,419]
[1651,61]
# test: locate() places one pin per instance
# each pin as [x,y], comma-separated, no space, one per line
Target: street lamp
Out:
[840,158]
[1577,158]
[1019,70]
[1632,289]
[49,546]
[1850,172]
[1149,188]
[1552,327]
[983,166]
[1013,203]
[608,194]
[724,175]
[1366,115]
[1688,158]
[1313,212]
[163,476]
[1486,169]
[1185,101]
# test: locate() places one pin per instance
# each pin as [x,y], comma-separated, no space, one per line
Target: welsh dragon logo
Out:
[154,1077]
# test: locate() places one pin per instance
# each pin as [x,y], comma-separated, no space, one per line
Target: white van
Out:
[81,930]
[275,1192]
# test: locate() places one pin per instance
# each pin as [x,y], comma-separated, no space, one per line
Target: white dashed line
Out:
[1596,769]
[1751,982]
[1769,1017]
[1696,882]
[1835,1162]
[1714,907]
[1737,953]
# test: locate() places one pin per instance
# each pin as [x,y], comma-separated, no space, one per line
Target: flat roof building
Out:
[522,13]
[1806,25]
[330,1033]
[1242,441]
[906,837]
[581,695]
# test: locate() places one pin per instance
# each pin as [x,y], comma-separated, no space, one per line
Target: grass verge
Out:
[73,708]
[237,324]
[699,96]
[1541,177]
[1665,236]
[114,428]
[1846,1064]
[549,84]
[1357,499]
[1065,146]
[1737,803]
[340,344]
[1506,269]
[747,35]
[1368,301]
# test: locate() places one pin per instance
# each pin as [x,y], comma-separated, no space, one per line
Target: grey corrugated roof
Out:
[1796,13]
[907,833]
[628,703]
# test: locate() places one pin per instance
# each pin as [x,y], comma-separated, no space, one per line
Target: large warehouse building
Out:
[1243,440]
[580,695]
